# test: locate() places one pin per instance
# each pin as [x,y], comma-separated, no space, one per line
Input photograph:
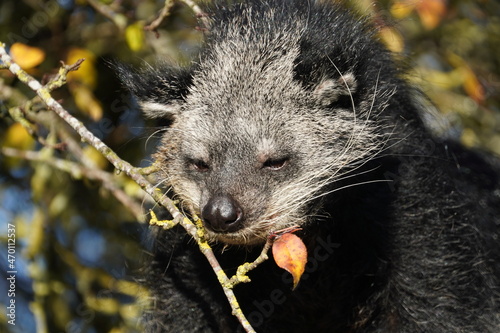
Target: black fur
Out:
[418,253]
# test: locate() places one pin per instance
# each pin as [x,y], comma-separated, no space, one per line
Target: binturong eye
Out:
[275,164]
[198,165]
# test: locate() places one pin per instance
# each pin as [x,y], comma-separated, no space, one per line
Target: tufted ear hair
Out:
[329,91]
[160,92]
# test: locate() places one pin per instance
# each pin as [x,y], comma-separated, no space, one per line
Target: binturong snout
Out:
[222,214]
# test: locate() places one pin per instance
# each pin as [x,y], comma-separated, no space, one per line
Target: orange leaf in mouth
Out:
[290,253]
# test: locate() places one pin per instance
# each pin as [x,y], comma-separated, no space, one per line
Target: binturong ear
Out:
[160,92]
[328,91]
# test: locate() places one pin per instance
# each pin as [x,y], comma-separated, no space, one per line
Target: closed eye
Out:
[198,165]
[275,164]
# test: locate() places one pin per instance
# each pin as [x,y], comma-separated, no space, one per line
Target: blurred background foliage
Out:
[78,246]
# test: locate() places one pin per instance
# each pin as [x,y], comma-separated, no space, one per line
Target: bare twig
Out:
[242,271]
[60,79]
[199,12]
[165,11]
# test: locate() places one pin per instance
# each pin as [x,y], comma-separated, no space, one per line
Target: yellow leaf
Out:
[403,8]
[469,138]
[86,101]
[36,235]
[134,35]
[470,82]
[131,188]
[290,253]
[494,144]
[472,86]
[439,79]
[392,39]
[58,204]
[42,175]
[87,73]
[95,156]
[18,137]
[26,56]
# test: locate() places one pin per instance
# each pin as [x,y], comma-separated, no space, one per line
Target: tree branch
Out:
[165,11]
[194,229]
[77,171]
[199,12]
[242,271]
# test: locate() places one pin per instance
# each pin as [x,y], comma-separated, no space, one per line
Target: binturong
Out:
[294,114]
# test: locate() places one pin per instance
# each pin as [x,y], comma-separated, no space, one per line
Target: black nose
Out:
[222,214]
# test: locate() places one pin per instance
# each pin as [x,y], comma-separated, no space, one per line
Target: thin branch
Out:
[199,12]
[77,171]
[85,134]
[221,275]
[242,271]
[60,79]
[14,97]
[165,11]
[149,170]
[226,283]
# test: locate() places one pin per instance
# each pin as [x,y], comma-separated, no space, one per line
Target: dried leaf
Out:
[290,253]
[26,56]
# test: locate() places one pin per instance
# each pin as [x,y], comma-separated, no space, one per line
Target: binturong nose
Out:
[222,214]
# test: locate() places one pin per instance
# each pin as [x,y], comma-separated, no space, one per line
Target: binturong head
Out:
[259,131]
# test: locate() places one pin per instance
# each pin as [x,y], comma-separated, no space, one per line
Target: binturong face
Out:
[256,164]
[250,148]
